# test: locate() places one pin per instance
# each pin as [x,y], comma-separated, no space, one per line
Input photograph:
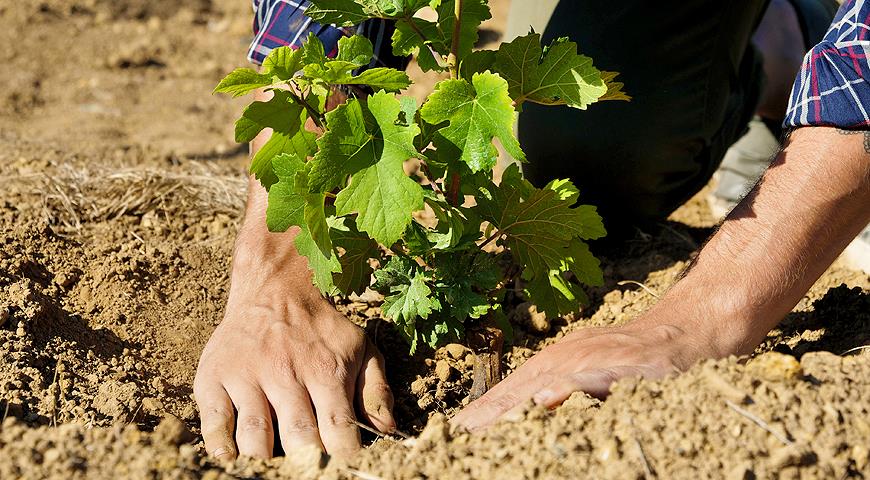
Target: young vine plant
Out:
[440,244]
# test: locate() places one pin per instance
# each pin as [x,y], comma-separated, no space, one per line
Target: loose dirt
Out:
[121,194]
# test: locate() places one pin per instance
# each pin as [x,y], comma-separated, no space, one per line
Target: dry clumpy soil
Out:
[121,194]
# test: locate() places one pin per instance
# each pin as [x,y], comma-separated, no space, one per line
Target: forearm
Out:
[813,200]
[263,258]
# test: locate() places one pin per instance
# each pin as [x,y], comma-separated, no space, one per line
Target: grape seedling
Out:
[442,243]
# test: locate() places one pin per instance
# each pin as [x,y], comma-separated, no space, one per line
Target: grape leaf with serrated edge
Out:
[372,147]
[553,77]
[477,112]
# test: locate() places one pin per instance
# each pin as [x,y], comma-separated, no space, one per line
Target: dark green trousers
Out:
[695,80]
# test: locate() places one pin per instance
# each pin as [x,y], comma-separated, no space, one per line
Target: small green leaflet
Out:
[290,204]
[350,12]
[556,76]
[407,40]
[551,293]
[477,112]
[409,302]
[396,271]
[286,119]
[280,66]
[283,63]
[353,52]
[370,144]
[242,81]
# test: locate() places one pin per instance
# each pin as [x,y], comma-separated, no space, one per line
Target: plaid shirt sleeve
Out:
[280,23]
[831,88]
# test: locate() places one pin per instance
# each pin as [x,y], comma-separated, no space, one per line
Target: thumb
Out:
[374,397]
[596,382]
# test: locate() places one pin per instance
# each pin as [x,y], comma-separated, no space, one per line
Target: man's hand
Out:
[808,206]
[589,360]
[302,367]
[283,359]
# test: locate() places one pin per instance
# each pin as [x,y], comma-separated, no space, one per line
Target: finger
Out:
[217,421]
[374,396]
[508,394]
[335,418]
[595,382]
[254,433]
[297,426]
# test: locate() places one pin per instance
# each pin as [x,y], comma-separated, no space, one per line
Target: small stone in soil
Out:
[443,370]
[455,350]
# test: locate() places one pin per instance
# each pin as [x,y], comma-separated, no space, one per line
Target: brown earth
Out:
[121,193]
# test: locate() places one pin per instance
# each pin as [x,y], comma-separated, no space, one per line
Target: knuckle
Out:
[502,402]
[340,419]
[255,423]
[299,426]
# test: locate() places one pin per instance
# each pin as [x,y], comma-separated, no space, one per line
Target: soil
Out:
[122,191]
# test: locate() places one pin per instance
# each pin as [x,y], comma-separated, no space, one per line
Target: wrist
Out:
[267,267]
[713,322]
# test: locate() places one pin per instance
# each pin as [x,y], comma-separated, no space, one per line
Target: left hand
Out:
[589,360]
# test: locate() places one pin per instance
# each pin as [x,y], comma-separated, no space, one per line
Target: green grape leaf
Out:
[551,293]
[287,121]
[418,37]
[537,226]
[370,144]
[290,205]
[474,12]
[416,239]
[312,50]
[448,232]
[408,302]
[350,12]
[477,61]
[555,76]
[395,272]
[358,248]
[614,88]
[339,12]
[462,302]
[283,63]
[580,261]
[242,81]
[477,112]
[280,113]
[355,49]
[565,189]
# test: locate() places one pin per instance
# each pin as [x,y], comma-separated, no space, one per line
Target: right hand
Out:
[283,353]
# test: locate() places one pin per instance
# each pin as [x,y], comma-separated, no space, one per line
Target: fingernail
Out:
[544,396]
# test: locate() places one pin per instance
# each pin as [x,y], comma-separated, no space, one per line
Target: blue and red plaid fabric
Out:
[279,23]
[831,88]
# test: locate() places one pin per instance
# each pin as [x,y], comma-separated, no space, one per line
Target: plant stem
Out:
[315,115]
[490,239]
[452,59]
[455,184]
